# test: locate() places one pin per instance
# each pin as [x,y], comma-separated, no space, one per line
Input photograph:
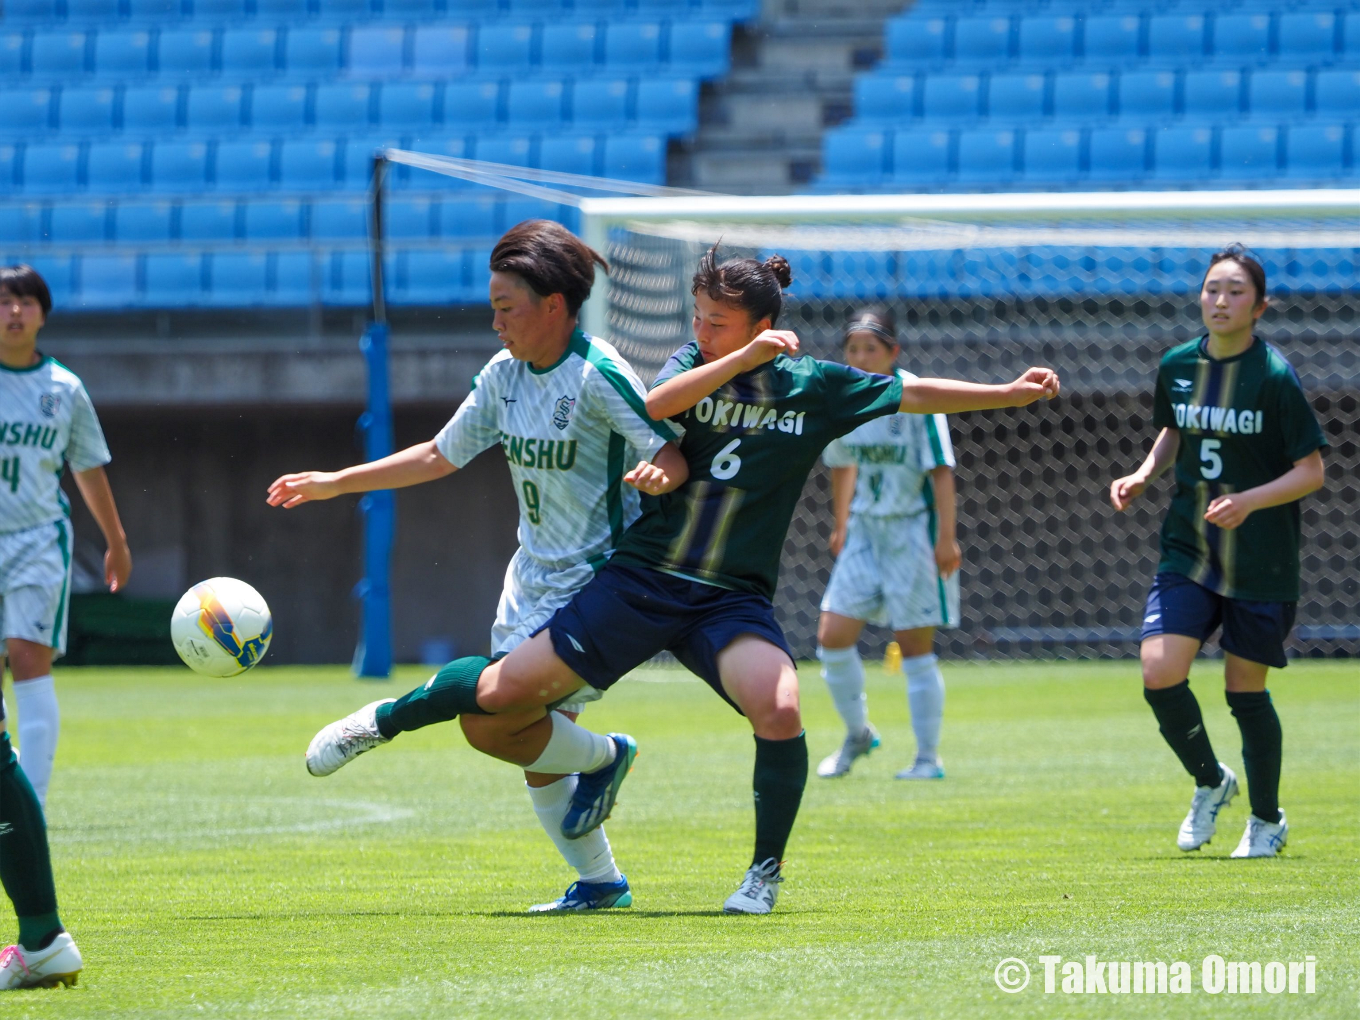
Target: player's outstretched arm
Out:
[950,396]
[667,471]
[1124,491]
[1306,476]
[679,393]
[94,489]
[420,463]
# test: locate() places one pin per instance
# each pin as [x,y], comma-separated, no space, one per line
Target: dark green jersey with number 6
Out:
[750,446]
[1243,421]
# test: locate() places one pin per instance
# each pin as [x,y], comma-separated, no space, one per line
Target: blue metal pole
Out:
[373,656]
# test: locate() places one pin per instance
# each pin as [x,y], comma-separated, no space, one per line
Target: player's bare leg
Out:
[35,698]
[843,671]
[925,697]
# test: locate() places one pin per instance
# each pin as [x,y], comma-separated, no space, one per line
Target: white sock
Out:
[925,695]
[572,748]
[39,723]
[590,855]
[843,671]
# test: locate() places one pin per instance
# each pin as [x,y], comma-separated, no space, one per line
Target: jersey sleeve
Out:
[1298,424]
[1163,417]
[473,427]
[87,447]
[837,455]
[618,392]
[937,450]
[854,397]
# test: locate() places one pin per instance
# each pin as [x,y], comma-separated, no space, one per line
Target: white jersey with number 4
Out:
[568,432]
[46,422]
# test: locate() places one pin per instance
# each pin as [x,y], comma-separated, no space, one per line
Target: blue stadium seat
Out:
[471,104]
[115,167]
[1111,39]
[250,52]
[1182,153]
[173,280]
[311,51]
[635,158]
[1242,38]
[21,222]
[342,107]
[238,279]
[1307,35]
[920,157]
[406,105]
[1213,96]
[1081,96]
[59,273]
[515,150]
[11,156]
[208,221]
[53,167]
[214,109]
[273,219]
[185,52]
[410,9]
[1250,152]
[58,54]
[854,155]
[294,282]
[951,97]
[283,10]
[179,166]
[92,11]
[885,98]
[220,10]
[1017,98]
[344,11]
[515,209]
[34,12]
[1350,43]
[281,108]
[568,47]
[1148,96]
[108,281]
[669,105]
[1052,156]
[28,112]
[428,278]
[1273,94]
[82,111]
[599,102]
[77,222]
[122,55]
[11,54]
[534,103]
[1048,42]
[504,47]
[632,45]
[339,219]
[411,217]
[861,274]
[702,48]
[140,222]
[986,155]
[982,41]
[1176,39]
[1315,151]
[155,12]
[377,50]
[356,159]
[346,281]
[570,154]
[1336,93]
[914,40]
[440,50]
[243,165]
[469,217]
[151,109]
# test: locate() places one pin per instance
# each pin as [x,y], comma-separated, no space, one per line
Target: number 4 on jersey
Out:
[9,473]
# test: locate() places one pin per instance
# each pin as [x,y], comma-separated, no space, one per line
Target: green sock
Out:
[1182,727]
[25,865]
[1262,740]
[780,775]
[448,694]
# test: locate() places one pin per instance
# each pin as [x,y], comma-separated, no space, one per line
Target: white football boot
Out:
[1263,839]
[758,890]
[1201,821]
[58,964]
[838,764]
[925,768]
[345,739]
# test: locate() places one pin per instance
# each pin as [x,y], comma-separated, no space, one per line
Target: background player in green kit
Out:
[1246,447]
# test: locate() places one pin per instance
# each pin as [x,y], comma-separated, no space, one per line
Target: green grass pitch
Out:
[204,873]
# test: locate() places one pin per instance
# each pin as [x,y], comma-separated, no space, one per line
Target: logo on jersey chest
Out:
[562,412]
[736,415]
[48,404]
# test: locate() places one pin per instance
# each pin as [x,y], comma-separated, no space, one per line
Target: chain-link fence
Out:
[1049,567]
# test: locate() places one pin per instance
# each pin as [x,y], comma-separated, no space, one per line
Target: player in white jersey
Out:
[569,414]
[897,558]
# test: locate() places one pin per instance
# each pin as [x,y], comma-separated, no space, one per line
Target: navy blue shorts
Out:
[626,615]
[1251,630]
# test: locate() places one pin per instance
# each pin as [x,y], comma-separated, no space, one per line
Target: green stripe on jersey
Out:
[581,344]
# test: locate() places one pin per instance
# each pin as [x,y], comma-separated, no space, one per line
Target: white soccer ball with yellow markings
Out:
[221,627]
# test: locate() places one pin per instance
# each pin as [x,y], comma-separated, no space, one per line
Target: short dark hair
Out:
[1242,255]
[550,259]
[754,286]
[876,320]
[25,281]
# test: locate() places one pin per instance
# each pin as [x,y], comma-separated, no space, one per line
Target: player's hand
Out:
[948,556]
[1228,512]
[837,541]
[769,345]
[289,491]
[1035,384]
[649,478]
[117,566]
[1124,491]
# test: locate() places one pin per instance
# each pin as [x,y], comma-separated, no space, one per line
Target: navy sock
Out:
[1182,727]
[1262,739]
[25,864]
[448,694]
[780,775]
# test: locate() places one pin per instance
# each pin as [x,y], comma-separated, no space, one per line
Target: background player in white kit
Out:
[897,559]
[570,415]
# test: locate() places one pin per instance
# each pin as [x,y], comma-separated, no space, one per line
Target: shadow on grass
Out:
[519,914]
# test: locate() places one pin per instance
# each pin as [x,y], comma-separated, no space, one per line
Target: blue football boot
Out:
[596,791]
[589,896]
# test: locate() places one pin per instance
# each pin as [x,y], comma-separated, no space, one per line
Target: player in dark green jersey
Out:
[1246,447]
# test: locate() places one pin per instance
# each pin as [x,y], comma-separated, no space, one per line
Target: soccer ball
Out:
[221,627]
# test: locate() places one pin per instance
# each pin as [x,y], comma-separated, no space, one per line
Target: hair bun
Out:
[779,265]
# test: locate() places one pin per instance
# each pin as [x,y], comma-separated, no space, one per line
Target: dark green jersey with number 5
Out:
[750,446]
[1243,421]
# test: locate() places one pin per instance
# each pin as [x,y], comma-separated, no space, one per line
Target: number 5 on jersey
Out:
[1211,464]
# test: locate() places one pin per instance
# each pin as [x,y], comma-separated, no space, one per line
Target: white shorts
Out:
[886,574]
[35,584]
[531,595]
